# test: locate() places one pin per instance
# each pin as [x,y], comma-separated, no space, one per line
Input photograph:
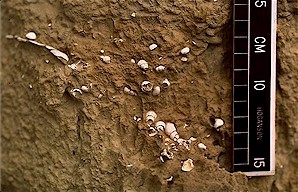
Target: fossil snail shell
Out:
[143,64]
[156,91]
[166,83]
[171,131]
[160,125]
[146,86]
[150,116]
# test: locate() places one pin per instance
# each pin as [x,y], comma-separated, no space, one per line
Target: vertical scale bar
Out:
[262,66]
[241,82]
[254,66]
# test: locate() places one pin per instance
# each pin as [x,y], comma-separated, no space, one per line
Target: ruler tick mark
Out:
[240,53]
[241,4]
[240,148]
[240,132]
[243,85]
[241,37]
[240,116]
[245,20]
[240,69]
[240,101]
[241,163]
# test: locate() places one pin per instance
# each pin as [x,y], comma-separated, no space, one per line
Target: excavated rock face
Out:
[54,140]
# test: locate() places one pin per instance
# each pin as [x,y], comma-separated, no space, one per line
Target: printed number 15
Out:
[259,162]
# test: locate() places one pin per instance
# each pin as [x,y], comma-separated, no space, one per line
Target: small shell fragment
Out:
[143,64]
[185,50]
[133,14]
[84,88]
[170,179]
[106,59]
[152,132]
[166,153]
[202,146]
[160,125]
[160,68]
[184,59]
[187,165]
[150,116]
[218,123]
[133,61]
[153,46]
[31,35]
[146,86]
[156,91]
[75,91]
[166,83]
[128,91]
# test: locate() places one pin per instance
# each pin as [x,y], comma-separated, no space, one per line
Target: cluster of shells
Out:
[172,138]
[147,86]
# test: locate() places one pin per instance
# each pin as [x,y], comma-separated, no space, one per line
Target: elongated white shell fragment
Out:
[59,54]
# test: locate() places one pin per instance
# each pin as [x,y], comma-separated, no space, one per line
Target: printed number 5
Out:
[259,162]
[259,3]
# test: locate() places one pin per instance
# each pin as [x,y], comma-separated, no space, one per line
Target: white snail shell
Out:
[156,91]
[166,83]
[171,131]
[160,68]
[160,125]
[143,64]
[146,86]
[150,116]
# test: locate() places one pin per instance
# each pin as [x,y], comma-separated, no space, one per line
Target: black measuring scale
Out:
[254,70]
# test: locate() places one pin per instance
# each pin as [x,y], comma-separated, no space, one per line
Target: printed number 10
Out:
[259,85]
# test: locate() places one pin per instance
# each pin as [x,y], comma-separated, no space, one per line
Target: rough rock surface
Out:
[53,141]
